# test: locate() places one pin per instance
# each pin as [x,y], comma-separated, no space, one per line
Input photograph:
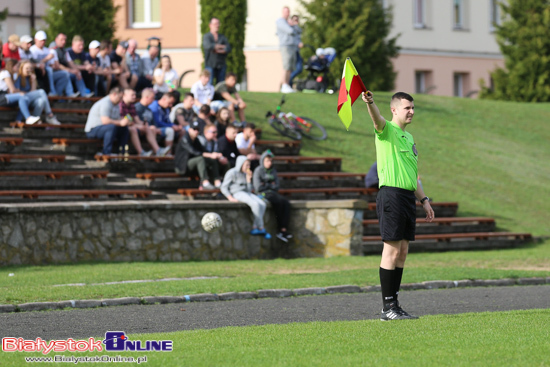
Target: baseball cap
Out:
[14,39]
[26,39]
[94,44]
[40,35]
[124,44]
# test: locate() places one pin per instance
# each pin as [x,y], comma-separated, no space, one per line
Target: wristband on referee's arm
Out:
[424,199]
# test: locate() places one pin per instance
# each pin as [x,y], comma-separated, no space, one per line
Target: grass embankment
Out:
[491,157]
[513,338]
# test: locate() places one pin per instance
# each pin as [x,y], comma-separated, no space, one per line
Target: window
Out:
[458,14]
[461,85]
[419,13]
[144,13]
[495,15]
[423,81]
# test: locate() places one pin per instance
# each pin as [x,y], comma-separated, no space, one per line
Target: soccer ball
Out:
[211,222]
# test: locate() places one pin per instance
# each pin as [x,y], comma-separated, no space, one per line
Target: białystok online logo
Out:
[115,341]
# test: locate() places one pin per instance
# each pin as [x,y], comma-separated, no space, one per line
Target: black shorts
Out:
[396,209]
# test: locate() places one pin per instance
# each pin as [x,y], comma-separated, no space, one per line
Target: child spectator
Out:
[161,117]
[104,122]
[231,98]
[227,145]
[266,184]
[245,143]
[190,156]
[237,187]
[148,128]
[202,90]
[183,114]
[165,79]
[222,120]
[10,95]
[37,98]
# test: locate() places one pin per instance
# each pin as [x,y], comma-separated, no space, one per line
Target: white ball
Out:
[211,222]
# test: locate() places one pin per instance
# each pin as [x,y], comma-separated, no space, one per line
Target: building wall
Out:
[18,20]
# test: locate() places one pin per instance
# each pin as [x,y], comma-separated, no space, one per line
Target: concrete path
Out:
[84,323]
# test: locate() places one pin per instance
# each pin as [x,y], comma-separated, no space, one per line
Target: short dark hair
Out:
[205,109]
[104,44]
[188,94]
[250,125]
[402,95]
[230,126]
[170,95]
[115,90]
[229,75]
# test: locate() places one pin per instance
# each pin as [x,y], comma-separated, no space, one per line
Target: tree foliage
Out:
[232,16]
[91,19]
[357,29]
[524,42]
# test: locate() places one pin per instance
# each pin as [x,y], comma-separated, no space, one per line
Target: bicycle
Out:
[294,127]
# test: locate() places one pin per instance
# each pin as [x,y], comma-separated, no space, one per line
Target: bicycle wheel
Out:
[311,129]
[283,129]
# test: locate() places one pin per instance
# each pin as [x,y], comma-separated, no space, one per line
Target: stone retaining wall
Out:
[162,230]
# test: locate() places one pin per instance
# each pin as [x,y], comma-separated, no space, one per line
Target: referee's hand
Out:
[429,211]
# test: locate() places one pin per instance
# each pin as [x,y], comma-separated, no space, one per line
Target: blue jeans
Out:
[36,100]
[109,133]
[216,73]
[58,80]
[299,67]
[80,85]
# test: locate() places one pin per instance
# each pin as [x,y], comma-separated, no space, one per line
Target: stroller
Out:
[317,66]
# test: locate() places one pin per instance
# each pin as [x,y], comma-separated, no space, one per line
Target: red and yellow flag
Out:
[350,89]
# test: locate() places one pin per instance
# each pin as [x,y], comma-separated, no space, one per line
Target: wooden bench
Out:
[55,174]
[447,237]
[34,194]
[11,140]
[49,158]
[299,159]
[190,193]
[441,221]
[22,125]
[153,158]
[439,225]
[80,111]
[280,143]
[285,175]
[65,142]
[74,99]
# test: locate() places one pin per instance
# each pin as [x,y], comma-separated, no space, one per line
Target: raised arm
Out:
[378,120]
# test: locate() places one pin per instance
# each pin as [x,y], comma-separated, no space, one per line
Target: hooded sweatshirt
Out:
[235,180]
[265,180]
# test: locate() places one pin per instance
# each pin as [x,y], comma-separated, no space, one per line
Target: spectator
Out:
[237,187]
[58,79]
[183,114]
[104,122]
[37,98]
[288,49]
[245,143]
[161,117]
[165,78]
[62,64]
[227,145]
[222,120]
[148,128]
[216,47]
[202,90]
[40,69]
[11,96]
[266,185]
[121,72]
[232,99]
[10,50]
[190,156]
[136,66]
[150,61]
[105,64]
[99,72]
[295,23]
[210,143]
[204,117]
[82,70]
[371,179]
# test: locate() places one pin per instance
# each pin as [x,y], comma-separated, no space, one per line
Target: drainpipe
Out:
[32,15]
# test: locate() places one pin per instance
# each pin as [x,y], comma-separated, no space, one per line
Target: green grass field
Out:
[488,156]
[516,338]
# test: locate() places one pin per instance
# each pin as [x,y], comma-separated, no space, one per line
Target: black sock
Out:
[387,285]
[397,281]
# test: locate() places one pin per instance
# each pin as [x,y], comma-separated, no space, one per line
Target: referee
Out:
[397,159]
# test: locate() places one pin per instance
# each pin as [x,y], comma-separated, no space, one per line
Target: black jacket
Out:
[185,150]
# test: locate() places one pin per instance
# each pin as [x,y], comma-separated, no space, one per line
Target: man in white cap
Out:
[47,61]
[95,79]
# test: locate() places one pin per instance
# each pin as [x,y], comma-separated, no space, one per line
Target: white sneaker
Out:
[146,153]
[52,120]
[287,89]
[163,151]
[74,95]
[32,120]
[88,95]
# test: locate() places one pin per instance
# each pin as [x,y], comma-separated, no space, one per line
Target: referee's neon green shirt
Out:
[397,157]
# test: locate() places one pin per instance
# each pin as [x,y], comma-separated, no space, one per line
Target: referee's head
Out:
[402,108]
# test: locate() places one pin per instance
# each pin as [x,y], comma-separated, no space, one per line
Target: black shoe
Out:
[406,314]
[393,313]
